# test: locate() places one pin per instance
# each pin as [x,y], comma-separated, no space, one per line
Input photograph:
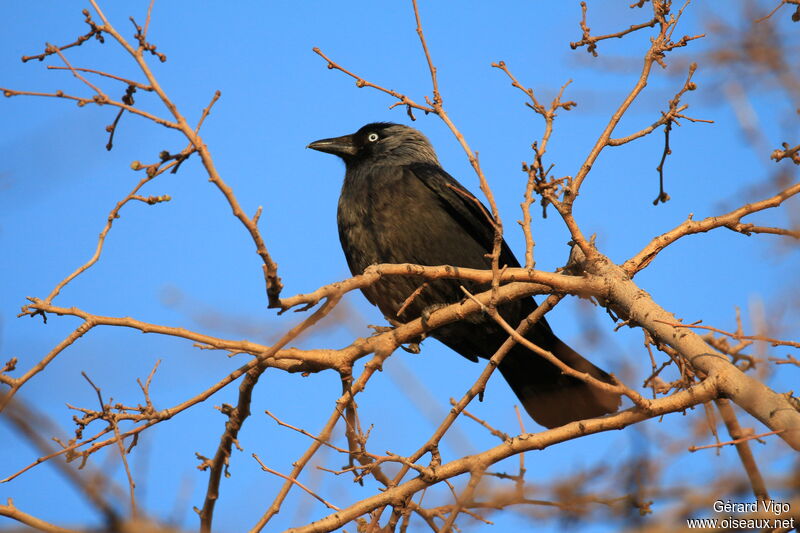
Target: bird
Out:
[398,205]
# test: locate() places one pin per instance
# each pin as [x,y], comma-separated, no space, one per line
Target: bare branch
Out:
[94,31]
[590,42]
[795,15]
[126,81]
[738,336]
[703,392]
[265,468]
[742,444]
[730,220]
[12,512]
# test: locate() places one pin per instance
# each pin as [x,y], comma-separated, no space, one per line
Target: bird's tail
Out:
[550,397]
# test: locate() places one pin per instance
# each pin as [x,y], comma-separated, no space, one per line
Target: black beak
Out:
[341,146]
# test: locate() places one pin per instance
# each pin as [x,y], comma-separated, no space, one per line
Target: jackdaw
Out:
[398,205]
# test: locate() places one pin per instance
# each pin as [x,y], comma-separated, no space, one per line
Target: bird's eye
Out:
[372,137]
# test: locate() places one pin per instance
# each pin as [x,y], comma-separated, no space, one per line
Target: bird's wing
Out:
[463,207]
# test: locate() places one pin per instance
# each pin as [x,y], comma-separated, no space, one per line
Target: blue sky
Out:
[189,263]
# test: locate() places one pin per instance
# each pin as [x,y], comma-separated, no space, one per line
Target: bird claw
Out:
[412,347]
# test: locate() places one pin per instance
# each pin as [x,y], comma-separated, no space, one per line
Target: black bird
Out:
[399,206]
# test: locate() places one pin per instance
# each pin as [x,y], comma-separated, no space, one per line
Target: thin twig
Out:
[735,441]
[126,81]
[12,512]
[496,432]
[703,392]
[730,220]
[743,448]
[238,415]
[465,498]
[591,41]
[265,468]
[738,336]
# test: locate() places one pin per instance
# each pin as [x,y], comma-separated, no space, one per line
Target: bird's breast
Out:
[375,221]
[388,215]
[391,216]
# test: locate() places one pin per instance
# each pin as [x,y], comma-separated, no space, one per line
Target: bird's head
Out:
[380,143]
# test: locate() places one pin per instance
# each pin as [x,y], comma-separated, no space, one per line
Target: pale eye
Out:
[372,137]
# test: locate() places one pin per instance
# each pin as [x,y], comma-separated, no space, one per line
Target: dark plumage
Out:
[399,206]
